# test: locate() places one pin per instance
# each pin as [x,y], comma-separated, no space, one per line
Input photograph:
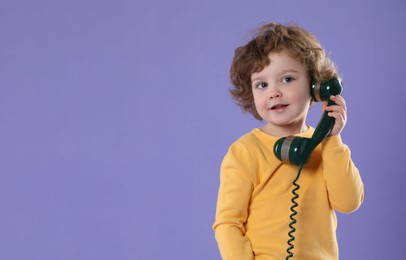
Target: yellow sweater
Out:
[255,193]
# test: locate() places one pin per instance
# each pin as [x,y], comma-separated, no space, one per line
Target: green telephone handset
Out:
[297,150]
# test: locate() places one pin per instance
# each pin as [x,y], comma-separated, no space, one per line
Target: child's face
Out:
[282,94]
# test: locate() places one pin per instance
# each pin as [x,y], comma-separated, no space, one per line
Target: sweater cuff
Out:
[333,141]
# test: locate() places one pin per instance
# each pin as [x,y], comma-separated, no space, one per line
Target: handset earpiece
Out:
[297,150]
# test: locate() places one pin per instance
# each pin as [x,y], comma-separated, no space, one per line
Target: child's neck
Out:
[283,131]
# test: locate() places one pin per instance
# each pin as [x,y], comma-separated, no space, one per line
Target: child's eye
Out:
[262,85]
[287,79]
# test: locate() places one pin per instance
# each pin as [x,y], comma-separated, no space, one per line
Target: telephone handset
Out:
[297,150]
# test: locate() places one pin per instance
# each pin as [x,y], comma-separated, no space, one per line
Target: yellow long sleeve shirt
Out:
[255,193]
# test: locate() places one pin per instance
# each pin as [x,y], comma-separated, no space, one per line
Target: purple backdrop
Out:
[115,116]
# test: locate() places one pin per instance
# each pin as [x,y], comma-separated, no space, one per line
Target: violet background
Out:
[115,116]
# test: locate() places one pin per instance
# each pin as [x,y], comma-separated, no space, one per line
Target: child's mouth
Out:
[279,107]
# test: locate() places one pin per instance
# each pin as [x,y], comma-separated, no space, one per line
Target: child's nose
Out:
[274,93]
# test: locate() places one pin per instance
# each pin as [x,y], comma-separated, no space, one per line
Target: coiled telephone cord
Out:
[294,213]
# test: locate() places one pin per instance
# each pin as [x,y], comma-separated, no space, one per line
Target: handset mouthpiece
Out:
[292,149]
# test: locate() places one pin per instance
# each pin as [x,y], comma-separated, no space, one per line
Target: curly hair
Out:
[274,37]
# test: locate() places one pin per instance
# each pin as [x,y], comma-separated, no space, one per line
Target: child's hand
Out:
[339,112]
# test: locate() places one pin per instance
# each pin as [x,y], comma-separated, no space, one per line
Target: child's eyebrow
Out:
[279,73]
[289,71]
[256,78]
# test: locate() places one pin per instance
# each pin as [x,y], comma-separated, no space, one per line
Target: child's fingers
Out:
[336,109]
[339,113]
[339,122]
[340,106]
[339,117]
[340,101]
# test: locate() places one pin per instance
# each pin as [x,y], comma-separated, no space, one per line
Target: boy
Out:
[272,75]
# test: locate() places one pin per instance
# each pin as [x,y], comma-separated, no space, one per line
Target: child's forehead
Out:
[282,61]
